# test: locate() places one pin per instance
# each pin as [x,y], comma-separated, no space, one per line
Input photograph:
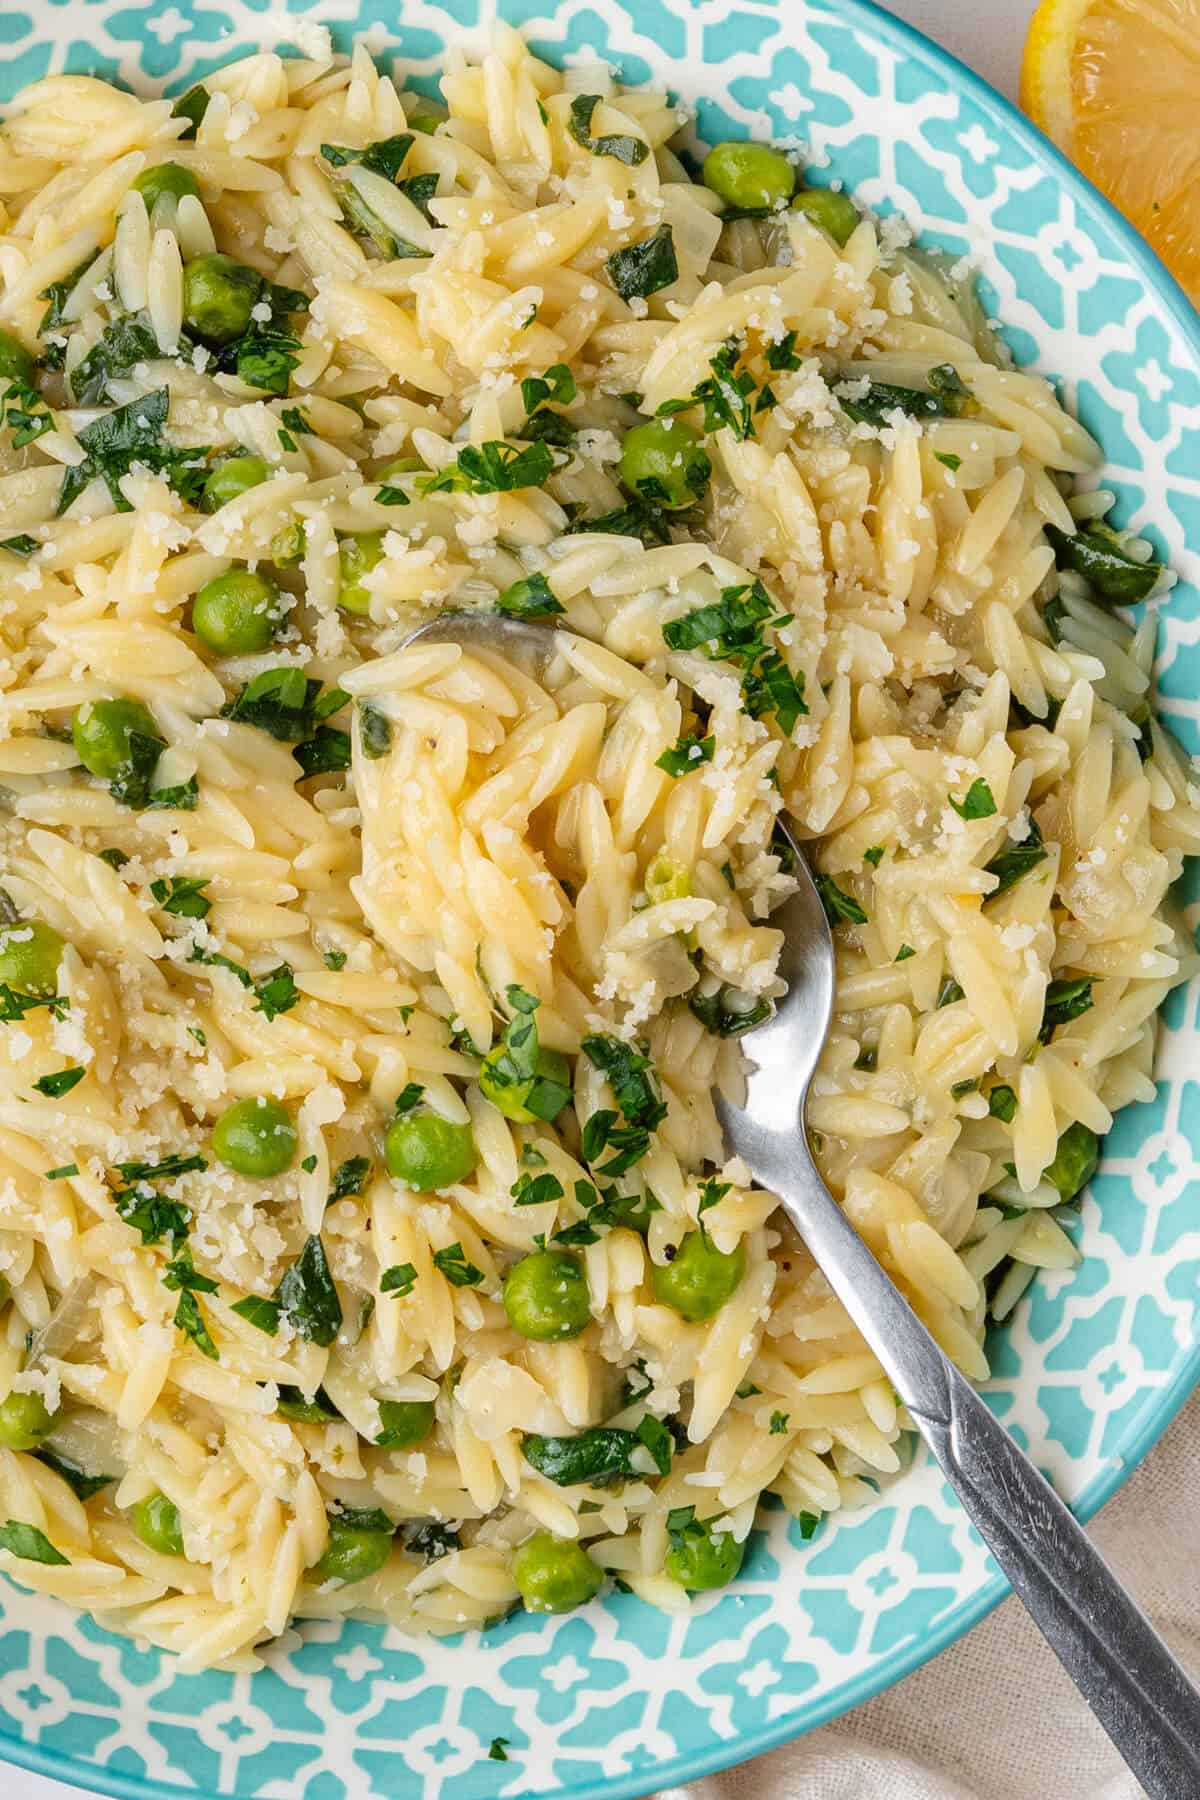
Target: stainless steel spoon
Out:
[1120,1665]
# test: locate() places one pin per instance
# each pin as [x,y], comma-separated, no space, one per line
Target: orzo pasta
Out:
[367,1238]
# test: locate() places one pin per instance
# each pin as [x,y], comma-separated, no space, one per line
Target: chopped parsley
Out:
[688,753]
[779,1423]
[454,1266]
[399,1280]
[976,803]
[276,993]
[183,895]
[626,1133]
[725,395]
[731,630]
[517,1060]
[349,1178]
[492,468]
[55,1086]
[530,598]
[839,906]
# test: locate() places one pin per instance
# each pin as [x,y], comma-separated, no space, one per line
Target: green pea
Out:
[236,613]
[667,879]
[352,1553]
[700,1279]
[356,555]
[287,546]
[405,1423]
[509,1097]
[427,1152]
[16,363]
[1075,1161]
[24,1421]
[546,1296]
[30,952]
[219,295]
[555,1575]
[101,730]
[232,478]
[750,176]
[156,1521]
[664,460]
[165,178]
[834,212]
[255,1137]
[701,1558]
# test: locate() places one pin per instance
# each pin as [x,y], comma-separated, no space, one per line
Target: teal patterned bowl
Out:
[620,1699]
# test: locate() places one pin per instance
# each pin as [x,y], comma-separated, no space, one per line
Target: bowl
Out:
[619,1699]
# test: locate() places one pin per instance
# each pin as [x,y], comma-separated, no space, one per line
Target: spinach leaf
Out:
[308,1298]
[599,1456]
[262,1314]
[838,904]
[81,1484]
[1065,1000]
[640,518]
[30,1544]
[626,149]
[384,157]
[123,344]
[191,106]
[719,1017]
[1015,861]
[1098,555]
[132,435]
[375,729]
[320,1410]
[283,703]
[643,268]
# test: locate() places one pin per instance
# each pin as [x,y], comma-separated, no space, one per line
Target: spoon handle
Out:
[1120,1665]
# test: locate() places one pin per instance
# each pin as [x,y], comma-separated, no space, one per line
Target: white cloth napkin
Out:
[994,1717]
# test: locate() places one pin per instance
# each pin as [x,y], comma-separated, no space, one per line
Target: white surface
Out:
[993,1718]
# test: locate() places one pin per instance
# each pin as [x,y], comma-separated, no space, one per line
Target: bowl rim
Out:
[897,34]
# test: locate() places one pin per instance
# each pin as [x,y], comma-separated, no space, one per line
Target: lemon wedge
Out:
[1116,84]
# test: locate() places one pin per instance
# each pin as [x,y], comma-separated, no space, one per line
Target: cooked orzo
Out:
[367,1238]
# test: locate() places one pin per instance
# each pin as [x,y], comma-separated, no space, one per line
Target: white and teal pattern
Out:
[619,1700]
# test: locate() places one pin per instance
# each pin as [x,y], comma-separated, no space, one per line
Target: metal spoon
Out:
[1120,1665]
